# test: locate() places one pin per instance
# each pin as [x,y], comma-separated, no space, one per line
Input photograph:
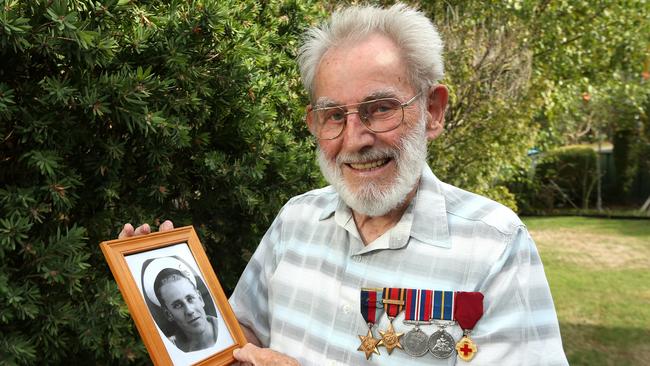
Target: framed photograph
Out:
[175,298]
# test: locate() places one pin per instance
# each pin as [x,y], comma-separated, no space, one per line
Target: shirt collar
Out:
[430,212]
[426,214]
[330,208]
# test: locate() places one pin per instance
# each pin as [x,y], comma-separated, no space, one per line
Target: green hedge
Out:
[124,111]
[567,177]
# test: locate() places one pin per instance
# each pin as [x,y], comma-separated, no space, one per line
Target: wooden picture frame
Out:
[149,271]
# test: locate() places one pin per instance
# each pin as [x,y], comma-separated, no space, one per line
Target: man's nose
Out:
[356,135]
[189,310]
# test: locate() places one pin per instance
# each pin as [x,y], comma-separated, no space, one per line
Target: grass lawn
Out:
[599,273]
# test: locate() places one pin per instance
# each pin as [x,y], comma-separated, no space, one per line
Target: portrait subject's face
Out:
[373,172]
[185,304]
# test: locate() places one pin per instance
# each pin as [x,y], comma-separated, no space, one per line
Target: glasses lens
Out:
[382,114]
[330,122]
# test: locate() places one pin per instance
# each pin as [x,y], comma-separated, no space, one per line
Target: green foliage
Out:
[125,111]
[539,73]
[487,126]
[567,177]
[591,62]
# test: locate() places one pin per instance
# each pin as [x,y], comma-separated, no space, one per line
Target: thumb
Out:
[245,354]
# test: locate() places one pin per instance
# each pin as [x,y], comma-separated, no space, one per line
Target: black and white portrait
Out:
[180,303]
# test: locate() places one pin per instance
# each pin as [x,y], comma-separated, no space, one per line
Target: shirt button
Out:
[347,309]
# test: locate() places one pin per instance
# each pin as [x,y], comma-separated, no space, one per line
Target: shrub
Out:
[128,111]
[567,177]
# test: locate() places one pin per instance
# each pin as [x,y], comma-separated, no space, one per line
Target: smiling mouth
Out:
[369,165]
[194,320]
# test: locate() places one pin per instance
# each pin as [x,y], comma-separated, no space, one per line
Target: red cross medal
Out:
[466,348]
[468,311]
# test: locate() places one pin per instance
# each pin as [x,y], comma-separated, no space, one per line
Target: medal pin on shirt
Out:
[417,311]
[441,343]
[371,310]
[468,311]
[393,300]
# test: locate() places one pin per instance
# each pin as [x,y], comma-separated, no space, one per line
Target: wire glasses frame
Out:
[377,115]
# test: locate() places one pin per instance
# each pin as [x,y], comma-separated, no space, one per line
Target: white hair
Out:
[410,29]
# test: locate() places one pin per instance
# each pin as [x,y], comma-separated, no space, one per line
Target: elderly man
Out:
[386,222]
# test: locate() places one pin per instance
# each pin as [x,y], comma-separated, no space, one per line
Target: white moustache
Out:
[367,156]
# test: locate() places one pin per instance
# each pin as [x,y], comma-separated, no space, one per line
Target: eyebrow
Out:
[325,102]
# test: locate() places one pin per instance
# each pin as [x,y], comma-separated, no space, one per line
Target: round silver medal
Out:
[441,344]
[415,342]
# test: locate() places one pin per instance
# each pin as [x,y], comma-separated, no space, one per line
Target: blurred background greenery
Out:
[137,111]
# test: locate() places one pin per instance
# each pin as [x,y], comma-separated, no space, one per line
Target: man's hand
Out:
[144,229]
[250,354]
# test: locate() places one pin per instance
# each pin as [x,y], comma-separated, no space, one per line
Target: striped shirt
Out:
[300,290]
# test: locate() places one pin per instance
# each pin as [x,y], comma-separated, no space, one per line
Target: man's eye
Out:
[177,305]
[382,108]
[190,299]
[333,115]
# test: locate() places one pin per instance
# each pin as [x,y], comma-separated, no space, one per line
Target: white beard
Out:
[371,198]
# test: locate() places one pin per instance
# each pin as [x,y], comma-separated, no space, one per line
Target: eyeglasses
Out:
[378,115]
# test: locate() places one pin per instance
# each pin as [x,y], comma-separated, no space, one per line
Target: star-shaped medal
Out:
[368,344]
[390,339]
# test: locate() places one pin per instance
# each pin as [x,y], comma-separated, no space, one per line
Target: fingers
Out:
[246,354]
[144,229]
[251,354]
[127,231]
[166,226]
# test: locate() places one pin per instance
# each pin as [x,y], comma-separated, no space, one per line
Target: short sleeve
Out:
[520,325]
[250,299]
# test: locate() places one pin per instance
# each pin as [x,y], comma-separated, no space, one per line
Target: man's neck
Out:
[372,227]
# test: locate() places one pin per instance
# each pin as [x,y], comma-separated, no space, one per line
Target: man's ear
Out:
[309,119]
[437,104]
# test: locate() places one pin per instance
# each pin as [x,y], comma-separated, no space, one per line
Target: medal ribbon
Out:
[394,299]
[418,305]
[443,305]
[469,309]
[371,304]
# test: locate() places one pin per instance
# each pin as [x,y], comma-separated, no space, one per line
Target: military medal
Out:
[417,311]
[469,309]
[393,299]
[371,309]
[441,343]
